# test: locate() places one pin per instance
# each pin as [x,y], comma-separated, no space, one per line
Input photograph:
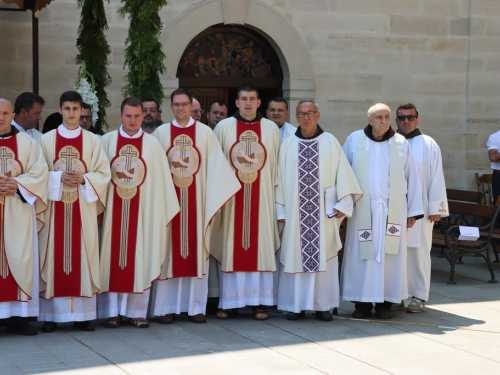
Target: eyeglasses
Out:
[403,118]
[85,118]
[308,114]
[197,111]
[179,105]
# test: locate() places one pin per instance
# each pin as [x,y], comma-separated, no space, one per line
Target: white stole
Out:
[396,196]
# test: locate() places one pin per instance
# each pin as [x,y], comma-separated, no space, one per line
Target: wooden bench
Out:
[468,214]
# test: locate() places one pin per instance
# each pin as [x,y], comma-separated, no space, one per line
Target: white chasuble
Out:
[427,156]
[69,248]
[248,237]
[383,276]
[140,204]
[21,159]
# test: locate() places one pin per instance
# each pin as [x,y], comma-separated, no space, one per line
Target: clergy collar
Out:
[125,135]
[237,116]
[413,134]
[67,133]
[13,131]
[369,133]
[190,123]
[319,131]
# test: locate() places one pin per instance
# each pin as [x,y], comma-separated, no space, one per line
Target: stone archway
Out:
[298,77]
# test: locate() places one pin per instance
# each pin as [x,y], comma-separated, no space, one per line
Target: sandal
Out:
[113,322]
[166,319]
[199,318]
[226,314]
[259,313]
[139,322]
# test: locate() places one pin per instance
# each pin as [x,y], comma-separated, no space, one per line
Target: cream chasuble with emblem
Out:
[21,159]
[427,156]
[140,205]
[310,241]
[204,182]
[381,276]
[69,246]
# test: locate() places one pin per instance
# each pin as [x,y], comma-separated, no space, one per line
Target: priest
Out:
[427,156]
[69,248]
[23,198]
[140,204]
[310,163]
[204,182]
[374,264]
[248,234]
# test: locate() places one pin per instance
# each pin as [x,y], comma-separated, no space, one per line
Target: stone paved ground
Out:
[244,346]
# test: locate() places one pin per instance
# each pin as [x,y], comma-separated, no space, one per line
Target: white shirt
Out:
[33,133]
[494,144]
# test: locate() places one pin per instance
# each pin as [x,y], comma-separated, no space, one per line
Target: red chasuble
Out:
[67,220]
[10,167]
[184,160]
[248,156]
[128,171]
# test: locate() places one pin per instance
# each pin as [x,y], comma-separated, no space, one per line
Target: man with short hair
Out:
[310,163]
[140,204]
[152,115]
[69,248]
[427,156]
[204,182]
[196,111]
[218,111]
[374,264]
[277,111]
[28,112]
[248,239]
[23,197]
[86,118]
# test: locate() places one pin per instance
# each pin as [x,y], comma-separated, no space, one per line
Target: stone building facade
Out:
[444,56]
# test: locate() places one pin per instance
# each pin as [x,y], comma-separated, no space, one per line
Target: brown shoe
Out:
[226,314]
[199,318]
[166,319]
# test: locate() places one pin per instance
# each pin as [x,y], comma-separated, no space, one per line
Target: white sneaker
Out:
[396,306]
[415,306]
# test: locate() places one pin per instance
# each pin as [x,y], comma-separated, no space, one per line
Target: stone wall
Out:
[444,56]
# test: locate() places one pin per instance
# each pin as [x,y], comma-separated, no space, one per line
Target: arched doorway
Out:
[222,58]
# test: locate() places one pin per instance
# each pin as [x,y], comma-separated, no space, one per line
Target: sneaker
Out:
[416,305]
[396,306]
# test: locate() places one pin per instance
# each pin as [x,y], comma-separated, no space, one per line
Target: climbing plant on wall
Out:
[93,52]
[143,54]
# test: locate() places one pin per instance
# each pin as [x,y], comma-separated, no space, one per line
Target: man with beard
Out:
[218,112]
[152,114]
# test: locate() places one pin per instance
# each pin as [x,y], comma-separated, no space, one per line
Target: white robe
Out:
[306,285]
[286,131]
[385,280]
[427,156]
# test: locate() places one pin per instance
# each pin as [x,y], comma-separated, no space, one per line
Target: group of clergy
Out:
[124,225]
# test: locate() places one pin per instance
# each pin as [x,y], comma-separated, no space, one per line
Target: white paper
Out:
[330,201]
[468,233]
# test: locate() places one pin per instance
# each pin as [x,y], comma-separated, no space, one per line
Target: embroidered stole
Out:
[10,167]
[396,196]
[248,157]
[184,161]
[128,171]
[309,204]
[67,220]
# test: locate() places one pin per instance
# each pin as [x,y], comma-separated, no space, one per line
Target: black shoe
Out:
[295,316]
[22,327]
[383,313]
[361,313]
[84,326]
[325,316]
[49,327]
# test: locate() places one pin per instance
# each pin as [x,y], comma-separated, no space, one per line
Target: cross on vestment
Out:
[69,156]
[248,138]
[183,142]
[129,153]
[4,158]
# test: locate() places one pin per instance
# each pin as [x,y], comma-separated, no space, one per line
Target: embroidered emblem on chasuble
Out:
[67,220]
[309,204]
[9,167]
[184,160]
[128,171]
[248,157]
